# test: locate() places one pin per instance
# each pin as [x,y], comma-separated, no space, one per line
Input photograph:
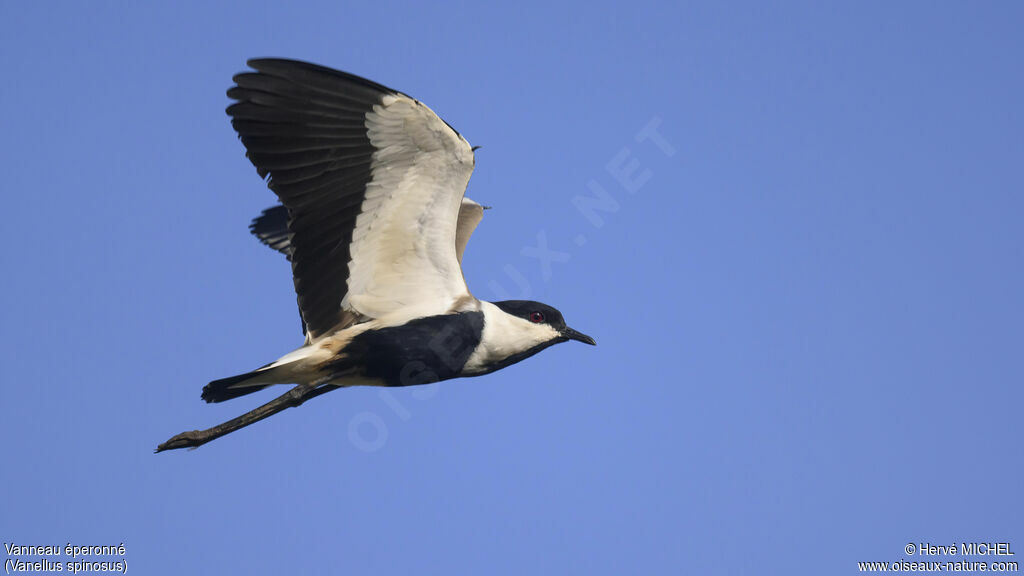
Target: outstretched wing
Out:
[372,181]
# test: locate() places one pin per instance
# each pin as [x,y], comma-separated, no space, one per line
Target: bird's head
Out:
[544,317]
[515,330]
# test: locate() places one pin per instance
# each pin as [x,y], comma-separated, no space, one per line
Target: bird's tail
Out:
[258,379]
[235,386]
[297,367]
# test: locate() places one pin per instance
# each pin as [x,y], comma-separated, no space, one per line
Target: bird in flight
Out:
[374,220]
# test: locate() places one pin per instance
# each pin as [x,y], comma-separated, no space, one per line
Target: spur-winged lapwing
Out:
[374,221]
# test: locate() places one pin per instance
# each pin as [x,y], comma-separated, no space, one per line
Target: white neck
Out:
[505,335]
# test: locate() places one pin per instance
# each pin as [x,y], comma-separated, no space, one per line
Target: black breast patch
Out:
[422,351]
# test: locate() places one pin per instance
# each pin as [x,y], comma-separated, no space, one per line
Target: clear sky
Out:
[795,232]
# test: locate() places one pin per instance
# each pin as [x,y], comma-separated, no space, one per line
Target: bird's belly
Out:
[421,351]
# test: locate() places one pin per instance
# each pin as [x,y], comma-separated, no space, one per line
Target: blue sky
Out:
[806,290]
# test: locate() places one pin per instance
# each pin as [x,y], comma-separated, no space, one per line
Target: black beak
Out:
[578,336]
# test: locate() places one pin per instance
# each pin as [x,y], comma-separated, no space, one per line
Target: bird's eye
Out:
[536,317]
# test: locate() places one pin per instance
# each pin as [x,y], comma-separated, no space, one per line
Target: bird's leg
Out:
[293,397]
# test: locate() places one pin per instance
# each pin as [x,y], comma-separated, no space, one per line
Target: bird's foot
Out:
[190,439]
